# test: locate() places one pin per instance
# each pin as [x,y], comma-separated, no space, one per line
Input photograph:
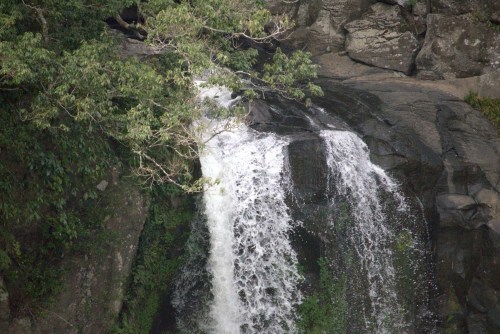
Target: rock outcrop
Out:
[483,8]
[94,283]
[382,39]
[458,47]
[320,24]
[441,40]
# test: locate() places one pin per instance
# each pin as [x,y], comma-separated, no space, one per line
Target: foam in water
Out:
[355,177]
[251,261]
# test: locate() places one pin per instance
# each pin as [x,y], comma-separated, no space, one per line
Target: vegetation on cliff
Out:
[72,106]
[488,106]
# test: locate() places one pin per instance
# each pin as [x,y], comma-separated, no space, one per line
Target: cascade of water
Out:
[355,178]
[251,262]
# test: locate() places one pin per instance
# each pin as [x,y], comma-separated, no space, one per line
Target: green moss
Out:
[453,324]
[343,220]
[483,17]
[325,311]
[404,242]
[489,107]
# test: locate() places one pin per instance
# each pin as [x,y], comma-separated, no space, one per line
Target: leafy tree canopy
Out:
[64,67]
[70,103]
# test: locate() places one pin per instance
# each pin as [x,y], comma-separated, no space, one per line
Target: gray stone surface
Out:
[383,39]
[449,155]
[458,47]
[321,24]
[341,66]
[481,8]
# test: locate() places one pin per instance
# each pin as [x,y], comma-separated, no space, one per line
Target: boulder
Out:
[321,24]
[481,8]
[458,209]
[458,47]
[307,12]
[383,39]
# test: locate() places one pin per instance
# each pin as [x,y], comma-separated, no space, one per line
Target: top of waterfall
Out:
[220,94]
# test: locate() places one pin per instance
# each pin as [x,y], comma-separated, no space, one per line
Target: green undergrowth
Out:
[325,310]
[49,204]
[489,107]
[160,255]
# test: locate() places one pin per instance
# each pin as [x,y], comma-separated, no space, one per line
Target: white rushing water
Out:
[252,264]
[362,183]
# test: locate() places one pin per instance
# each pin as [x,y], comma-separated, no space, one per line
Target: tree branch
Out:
[129,26]
[41,19]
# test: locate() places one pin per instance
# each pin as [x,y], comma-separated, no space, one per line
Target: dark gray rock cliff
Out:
[443,152]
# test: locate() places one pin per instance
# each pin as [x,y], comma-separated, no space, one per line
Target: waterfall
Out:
[367,189]
[252,265]
[249,283]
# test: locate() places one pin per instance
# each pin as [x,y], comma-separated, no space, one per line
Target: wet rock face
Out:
[382,39]
[443,152]
[448,155]
[458,47]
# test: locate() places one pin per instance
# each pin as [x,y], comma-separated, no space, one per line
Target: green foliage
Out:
[47,202]
[284,71]
[75,76]
[409,271]
[159,258]
[71,106]
[489,107]
[325,311]
[67,22]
